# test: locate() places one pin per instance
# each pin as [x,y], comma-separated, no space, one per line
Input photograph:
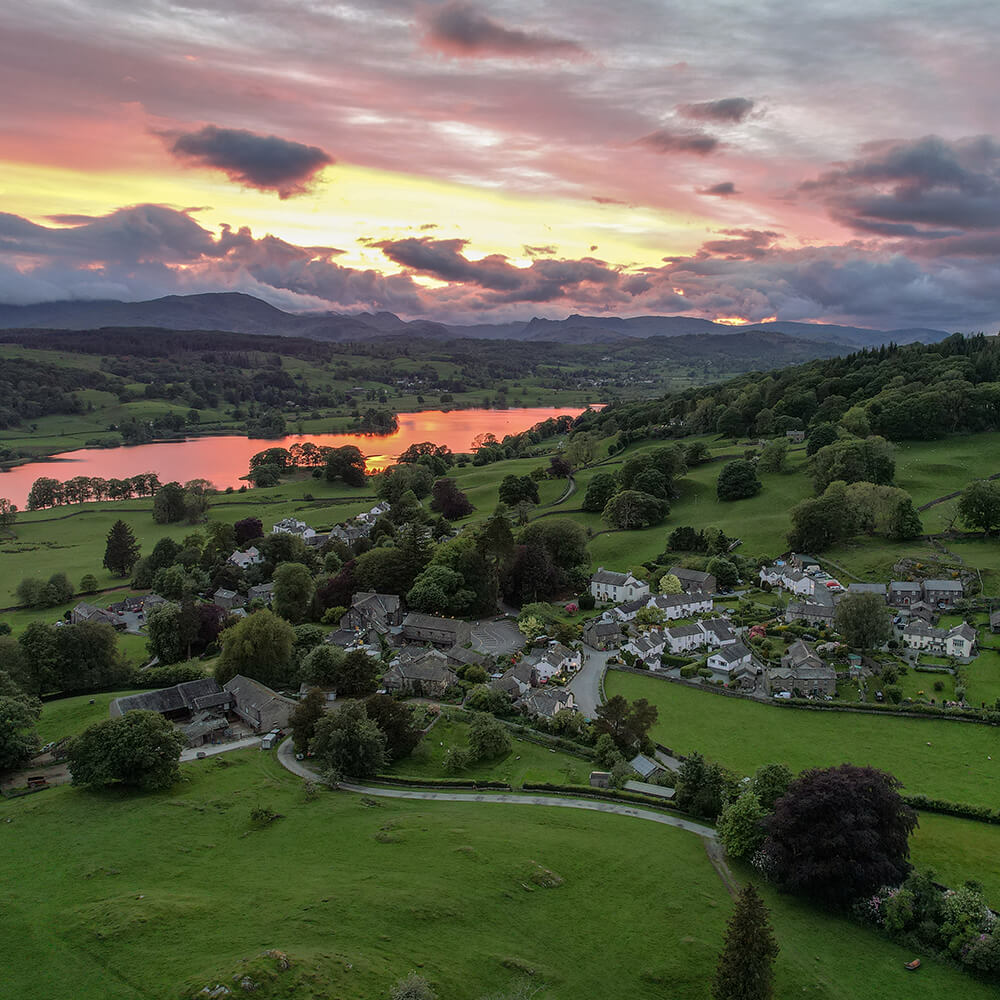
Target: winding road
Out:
[286,756]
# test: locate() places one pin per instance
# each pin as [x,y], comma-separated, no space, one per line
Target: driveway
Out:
[497,638]
[286,756]
[586,683]
[211,749]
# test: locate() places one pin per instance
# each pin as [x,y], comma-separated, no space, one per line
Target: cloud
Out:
[459,29]
[724,189]
[546,251]
[667,140]
[728,110]
[926,189]
[265,162]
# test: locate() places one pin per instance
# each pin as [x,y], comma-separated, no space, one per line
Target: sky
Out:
[486,162]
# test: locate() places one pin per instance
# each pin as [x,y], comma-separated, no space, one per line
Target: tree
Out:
[670,584]
[746,965]
[122,550]
[774,456]
[357,675]
[631,509]
[164,635]
[395,720]
[139,750]
[863,620]
[8,514]
[703,788]
[740,826]
[515,489]
[449,500]
[322,665]
[853,460]
[247,529]
[168,503]
[819,437]
[979,505]
[88,584]
[440,590]
[258,646]
[737,481]
[839,833]
[600,490]
[488,738]
[347,464]
[769,783]
[349,744]
[412,987]
[18,739]
[905,524]
[304,717]
[294,590]
[725,572]
[628,725]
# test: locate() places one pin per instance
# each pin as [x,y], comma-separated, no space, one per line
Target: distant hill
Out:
[239,313]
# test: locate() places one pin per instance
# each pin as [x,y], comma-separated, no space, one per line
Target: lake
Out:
[223,460]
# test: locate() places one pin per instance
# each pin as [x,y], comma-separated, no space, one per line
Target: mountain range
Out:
[241,313]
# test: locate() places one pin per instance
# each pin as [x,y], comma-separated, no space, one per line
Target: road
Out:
[211,749]
[286,757]
[586,683]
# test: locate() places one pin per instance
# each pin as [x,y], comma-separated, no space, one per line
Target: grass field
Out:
[958,850]
[525,762]
[70,716]
[946,760]
[124,898]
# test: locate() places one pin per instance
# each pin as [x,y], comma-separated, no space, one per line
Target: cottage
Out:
[693,581]
[429,628]
[601,633]
[607,585]
[228,599]
[731,662]
[868,588]
[257,705]
[681,605]
[518,681]
[91,614]
[795,437]
[903,593]
[244,560]
[427,677]
[717,632]
[811,612]
[995,621]
[554,659]
[626,612]
[262,592]
[292,526]
[943,593]
[373,613]
[959,641]
[804,670]
[548,702]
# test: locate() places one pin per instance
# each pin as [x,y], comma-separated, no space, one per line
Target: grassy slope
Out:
[117,897]
[525,762]
[743,735]
[70,716]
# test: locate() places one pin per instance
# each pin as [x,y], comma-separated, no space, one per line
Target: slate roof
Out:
[732,654]
[681,631]
[171,699]
[644,766]
[609,577]
[904,586]
[719,627]
[866,588]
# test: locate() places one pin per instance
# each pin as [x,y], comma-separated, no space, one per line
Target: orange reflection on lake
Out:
[224,460]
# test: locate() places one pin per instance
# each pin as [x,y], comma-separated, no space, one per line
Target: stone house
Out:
[92,614]
[257,705]
[805,670]
[373,613]
[547,702]
[814,614]
[418,627]
[602,633]
[943,593]
[427,677]
[903,593]
[795,437]
[693,581]
[228,599]
[606,585]
[517,681]
[262,592]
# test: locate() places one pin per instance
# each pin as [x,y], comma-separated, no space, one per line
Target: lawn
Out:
[121,898]
[946,760]
[71,716]
[525,762]
[958,850]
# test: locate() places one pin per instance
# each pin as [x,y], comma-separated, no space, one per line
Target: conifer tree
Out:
[122,551]
[746,964]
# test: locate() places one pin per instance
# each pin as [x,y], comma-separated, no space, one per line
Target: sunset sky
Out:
[476,162]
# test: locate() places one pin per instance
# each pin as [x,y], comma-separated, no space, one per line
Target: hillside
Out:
[242,313]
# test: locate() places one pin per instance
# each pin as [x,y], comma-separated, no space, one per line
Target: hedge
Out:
[669,660]
[392,779]
[982,814]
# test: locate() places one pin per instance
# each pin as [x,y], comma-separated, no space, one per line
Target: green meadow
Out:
[115,897]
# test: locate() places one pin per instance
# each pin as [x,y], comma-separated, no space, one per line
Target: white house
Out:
[959,641]
[730,662]
[681,605]
[291,526]
[607,585]
[713,633]
[647,647]
[251,557]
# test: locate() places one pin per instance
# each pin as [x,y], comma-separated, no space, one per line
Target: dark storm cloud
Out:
[927,189]
[461,29]
[721,190]
[668,140]
[729,109]
[265,162]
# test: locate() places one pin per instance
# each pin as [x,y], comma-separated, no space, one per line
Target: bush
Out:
[456,760]
[690,670]
[587,602]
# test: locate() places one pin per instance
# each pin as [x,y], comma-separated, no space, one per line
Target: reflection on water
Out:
[223,460]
